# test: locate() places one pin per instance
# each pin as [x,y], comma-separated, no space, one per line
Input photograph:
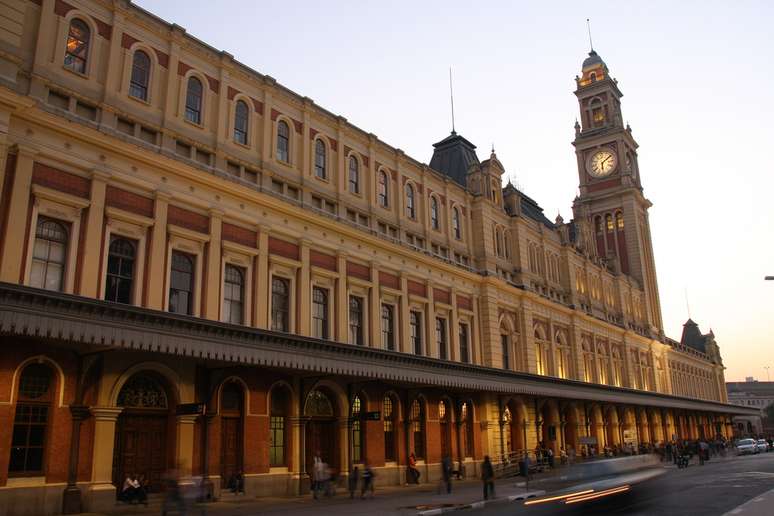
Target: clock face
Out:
[602,163]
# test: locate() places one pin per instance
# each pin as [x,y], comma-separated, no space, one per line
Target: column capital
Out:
[106,413]
[187,419]
[28,151]
[99,173]
[216,213]
[163,195]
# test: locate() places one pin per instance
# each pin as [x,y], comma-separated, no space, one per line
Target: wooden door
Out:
[321,437]
[141,448]
[231,448]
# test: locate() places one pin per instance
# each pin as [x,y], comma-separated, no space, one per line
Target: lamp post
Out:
[768,378]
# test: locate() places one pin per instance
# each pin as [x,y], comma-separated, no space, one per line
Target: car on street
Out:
[746,447]
[762,445]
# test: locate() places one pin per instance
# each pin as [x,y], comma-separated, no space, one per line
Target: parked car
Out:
[762,445]
[746,447]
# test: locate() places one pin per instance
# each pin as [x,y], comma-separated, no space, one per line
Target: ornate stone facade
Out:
[180,231]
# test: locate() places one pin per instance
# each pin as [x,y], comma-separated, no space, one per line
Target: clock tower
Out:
[611,201]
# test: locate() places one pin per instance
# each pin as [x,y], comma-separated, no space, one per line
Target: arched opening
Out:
[514,428]
[417,420]
[444,421]
[231,431]
[390,420]
[357,428]
[279,410]
[321,437]
[466,429]
[549,414]
[597,429]
[570,421]
[31,421]
[144,432]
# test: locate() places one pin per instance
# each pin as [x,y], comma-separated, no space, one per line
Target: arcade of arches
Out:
[269,424]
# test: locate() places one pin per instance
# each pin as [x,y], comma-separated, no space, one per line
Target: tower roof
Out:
[692,336]
[592,60]
[453,156]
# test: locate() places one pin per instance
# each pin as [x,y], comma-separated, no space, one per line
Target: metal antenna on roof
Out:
[687,304]
[588,26]
[451,94]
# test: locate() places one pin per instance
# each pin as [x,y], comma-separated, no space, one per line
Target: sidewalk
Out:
[393,500]
[759,506]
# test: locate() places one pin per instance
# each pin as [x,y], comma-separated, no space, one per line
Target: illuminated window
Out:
[609,222]
[48,255]
[357,431]
[417,422]
[77,52]
[619,220]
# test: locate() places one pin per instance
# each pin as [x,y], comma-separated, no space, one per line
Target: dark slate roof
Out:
[453,156]
[692,336]
[592,60]
[533,210]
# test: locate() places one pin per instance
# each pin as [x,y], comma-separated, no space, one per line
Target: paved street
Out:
[717,488]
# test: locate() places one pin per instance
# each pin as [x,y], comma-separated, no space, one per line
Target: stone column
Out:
[375,308]
[212,275]
[304,299]
[90,270]
[11,265]
[185,445]
[431,346]
[403,318]
[528,336]
[454,328]
[262,288]
[102,493]
[155,294]
[576,341]
[341,307]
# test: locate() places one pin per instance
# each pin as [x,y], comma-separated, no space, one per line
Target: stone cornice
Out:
[26,311]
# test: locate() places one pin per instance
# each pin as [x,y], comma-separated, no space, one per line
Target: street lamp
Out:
[768,378]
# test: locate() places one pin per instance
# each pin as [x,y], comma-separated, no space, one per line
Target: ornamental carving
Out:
[318,404]
[142,391]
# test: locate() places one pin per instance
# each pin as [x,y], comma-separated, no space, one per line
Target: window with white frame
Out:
[49,254]
[233,294]
[181,283]
[320,313]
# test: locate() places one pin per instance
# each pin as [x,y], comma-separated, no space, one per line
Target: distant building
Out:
[754,394]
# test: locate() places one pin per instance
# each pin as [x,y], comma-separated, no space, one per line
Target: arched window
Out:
[280,304]
[389,414]
[120,270]
[77,51]
[619,221]
[138,84]
[444,418]
[383,194]
[283,141]
[434,213]
[181,284]
[597,113]
[388,327]
[319,159]
[233,295]
[456,223]
[417,421]
[48,255]
[415,331]
[241,120]
[609,222]
[143,390]
[410,208]
[193,101]
[279,403]
[30,423]
[354,175]
[356,320]
[358,435]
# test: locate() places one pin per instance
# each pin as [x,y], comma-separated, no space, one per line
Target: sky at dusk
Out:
[698,84]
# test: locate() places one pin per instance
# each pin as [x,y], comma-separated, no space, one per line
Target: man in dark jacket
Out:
[487,476]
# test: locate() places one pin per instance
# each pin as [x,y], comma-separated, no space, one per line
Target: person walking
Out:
[487,476]
[413,472]
[368,481]
[352,480]
[318,474]
[446,473]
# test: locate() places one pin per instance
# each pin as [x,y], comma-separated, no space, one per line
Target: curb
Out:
[483,503]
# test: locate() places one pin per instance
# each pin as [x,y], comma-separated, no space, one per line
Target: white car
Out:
[763,445]
[746,447]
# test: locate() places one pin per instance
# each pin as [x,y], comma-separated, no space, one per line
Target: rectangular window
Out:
[356,320]
[234,294]
[120,270]
[388,327]
[125,126]
[464,352]
[148,135]
[59,100]
[181,284]
[415,327]
[280,304]
[183,149]
[440,337]
[320,313]
[277,443]
[506,351]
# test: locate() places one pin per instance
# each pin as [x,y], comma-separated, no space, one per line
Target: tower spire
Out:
[588,26]
[451,95]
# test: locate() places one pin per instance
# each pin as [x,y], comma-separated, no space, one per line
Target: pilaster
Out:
[211,309]
[90,276]
[303,322]
[11,266]
[262,293]
[341,307]
[155,284]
